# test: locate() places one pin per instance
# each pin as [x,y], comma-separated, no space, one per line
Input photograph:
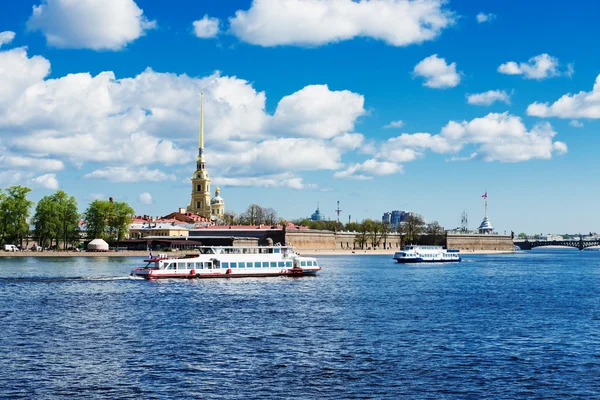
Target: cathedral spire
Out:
[201,141]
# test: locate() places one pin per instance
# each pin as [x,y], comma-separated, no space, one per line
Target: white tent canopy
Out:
[97,245]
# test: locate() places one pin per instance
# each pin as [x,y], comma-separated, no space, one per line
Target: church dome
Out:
[486,226]
[217,199]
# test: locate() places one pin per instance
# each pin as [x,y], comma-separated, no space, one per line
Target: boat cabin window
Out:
[242,265]
[233,265]
[225,265]
[256,265]
[281,264]
[275,250]
[265,264]
[273,265]
[288,264]
[303,263]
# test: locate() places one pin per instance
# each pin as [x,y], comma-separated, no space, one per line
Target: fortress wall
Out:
[479,242]
[327,240]
[311,240]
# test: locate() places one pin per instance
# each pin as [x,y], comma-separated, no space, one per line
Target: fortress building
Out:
[201,203]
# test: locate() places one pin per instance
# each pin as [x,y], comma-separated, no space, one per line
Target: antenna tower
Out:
[464,222]
[338,211]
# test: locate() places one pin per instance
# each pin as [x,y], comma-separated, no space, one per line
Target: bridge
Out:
[579,244]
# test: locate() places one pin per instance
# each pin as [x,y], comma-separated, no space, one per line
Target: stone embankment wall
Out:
[479,242]
[327,240]
[311,240]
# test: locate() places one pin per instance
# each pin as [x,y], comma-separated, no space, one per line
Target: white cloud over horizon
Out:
[394,124]
[6,37]
[579,105]
[47,181]
[437,73]
[483,17]
[318,22]
[145,198]
[90,24]
[206,27]
[540,67]
[488,98]
[495,137]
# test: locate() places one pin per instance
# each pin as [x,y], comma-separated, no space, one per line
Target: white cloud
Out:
[6,37]
[576,124]
[276,155]
[495,137]
[369,169]
[395,124]
[483,17]
[437,73]
[580,105]
[206,27]
[31,163]
[91,24]
[127,125]
[124,174]
[317,22]
[488,98]
[145,198]
[285,180]
[539,67]
[348,141]
[47,181]
[316,111]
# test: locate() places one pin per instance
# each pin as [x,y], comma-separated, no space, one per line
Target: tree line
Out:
[371,233]
[56,220]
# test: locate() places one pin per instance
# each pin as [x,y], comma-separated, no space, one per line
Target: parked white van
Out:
[10,247]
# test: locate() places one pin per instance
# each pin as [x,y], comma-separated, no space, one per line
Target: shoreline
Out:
[143,253]
[316,252]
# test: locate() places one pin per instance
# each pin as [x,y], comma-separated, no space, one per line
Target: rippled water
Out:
[502,326]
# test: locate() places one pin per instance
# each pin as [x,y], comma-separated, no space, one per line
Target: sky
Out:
[381,105]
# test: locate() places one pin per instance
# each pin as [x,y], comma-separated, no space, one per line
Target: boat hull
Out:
[152,274]
[420,261]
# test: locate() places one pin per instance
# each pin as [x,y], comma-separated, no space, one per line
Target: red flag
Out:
[484,195]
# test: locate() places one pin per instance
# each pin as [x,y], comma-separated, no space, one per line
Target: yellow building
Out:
[137,231]
[201,203]
[217,205]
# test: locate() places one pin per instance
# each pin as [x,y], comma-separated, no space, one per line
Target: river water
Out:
[523,325]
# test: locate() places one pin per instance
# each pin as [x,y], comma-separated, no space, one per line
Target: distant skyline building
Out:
[395,217]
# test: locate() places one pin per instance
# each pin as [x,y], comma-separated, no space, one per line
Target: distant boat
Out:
[426,254]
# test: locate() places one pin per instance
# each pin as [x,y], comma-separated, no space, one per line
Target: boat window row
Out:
[256,264]
[190,265]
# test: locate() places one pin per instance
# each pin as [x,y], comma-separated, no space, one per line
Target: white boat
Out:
[230,262]
[426,254]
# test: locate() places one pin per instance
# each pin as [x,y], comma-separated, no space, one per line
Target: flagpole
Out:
[486,203]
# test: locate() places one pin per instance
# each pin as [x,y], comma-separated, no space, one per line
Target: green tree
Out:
[14,212]
[435,232]
[108,220]
[522,235]
[121,215]
[68,218]
[96,219]
[411,228]
[45,221]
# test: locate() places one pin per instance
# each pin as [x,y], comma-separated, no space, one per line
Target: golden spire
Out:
[201,145]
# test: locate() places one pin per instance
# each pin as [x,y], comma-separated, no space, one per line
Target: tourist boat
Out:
[229,262]
[426,254]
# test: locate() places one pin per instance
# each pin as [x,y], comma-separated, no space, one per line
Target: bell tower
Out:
[200,203]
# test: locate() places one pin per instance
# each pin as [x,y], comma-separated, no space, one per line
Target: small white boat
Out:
[426,254]
[230,262]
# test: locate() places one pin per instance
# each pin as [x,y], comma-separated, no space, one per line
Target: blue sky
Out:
[101,98]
